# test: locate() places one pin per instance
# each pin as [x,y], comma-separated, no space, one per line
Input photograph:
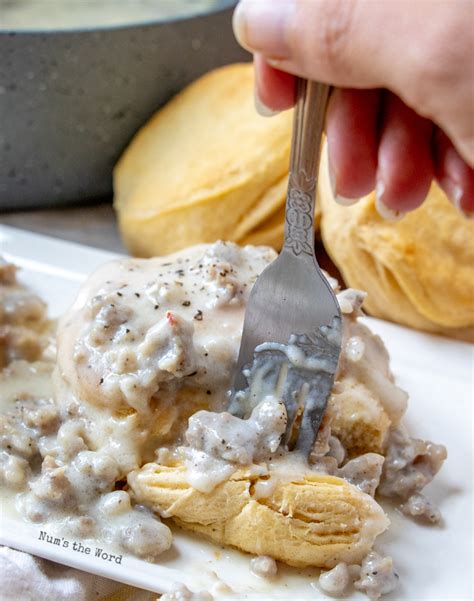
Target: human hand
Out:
[403,110]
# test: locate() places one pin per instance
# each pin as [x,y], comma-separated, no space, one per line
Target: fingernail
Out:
[261,25]
[342,200]
[382,209]
[455,193]
[262,109]
[457,196]
[332,177]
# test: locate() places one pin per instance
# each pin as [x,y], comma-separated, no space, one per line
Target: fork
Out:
[292,308]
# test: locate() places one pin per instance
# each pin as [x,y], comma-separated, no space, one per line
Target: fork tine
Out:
[292,399]
[314,408]
[291,297]
[303,388]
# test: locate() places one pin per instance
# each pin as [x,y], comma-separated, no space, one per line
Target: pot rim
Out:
[193,14]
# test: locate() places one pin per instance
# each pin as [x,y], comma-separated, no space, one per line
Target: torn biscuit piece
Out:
[306,520]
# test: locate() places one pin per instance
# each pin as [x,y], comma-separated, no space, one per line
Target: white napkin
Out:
[31,579]
[27,578]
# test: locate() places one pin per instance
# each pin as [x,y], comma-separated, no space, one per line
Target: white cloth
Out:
[32,579]
[27,578]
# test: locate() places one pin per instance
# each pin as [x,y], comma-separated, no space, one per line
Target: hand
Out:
[403,110]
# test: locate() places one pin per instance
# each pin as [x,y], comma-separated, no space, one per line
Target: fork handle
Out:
[308,124]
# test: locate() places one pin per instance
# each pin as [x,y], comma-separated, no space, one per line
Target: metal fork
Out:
[292,299]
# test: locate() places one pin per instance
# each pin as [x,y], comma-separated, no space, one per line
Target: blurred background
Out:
[79,77]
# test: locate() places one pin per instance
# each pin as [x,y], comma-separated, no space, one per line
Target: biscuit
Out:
[205,167]
[358,418]
[418,271]
[306,520]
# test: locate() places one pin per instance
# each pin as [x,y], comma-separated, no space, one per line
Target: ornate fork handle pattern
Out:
[308,128]
[299,234]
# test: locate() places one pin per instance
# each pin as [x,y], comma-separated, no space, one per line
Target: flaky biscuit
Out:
[358,419]
[306,520]
[205,167]
[418,271]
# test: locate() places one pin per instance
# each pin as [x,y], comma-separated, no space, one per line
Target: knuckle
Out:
[324,35]
[437,71]
[423,88]
[336,32]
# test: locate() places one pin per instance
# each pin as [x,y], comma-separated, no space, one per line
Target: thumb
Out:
[347,43]
[417,50]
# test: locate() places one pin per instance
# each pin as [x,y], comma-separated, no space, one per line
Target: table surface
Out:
[91,225]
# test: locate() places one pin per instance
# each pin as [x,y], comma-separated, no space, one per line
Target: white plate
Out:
[433,562]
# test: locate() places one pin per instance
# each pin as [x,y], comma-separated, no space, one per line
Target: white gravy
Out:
[147,345]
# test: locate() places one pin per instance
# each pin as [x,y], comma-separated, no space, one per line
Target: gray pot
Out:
[70,101]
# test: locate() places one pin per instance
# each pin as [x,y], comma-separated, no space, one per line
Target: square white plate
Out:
[433,562]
